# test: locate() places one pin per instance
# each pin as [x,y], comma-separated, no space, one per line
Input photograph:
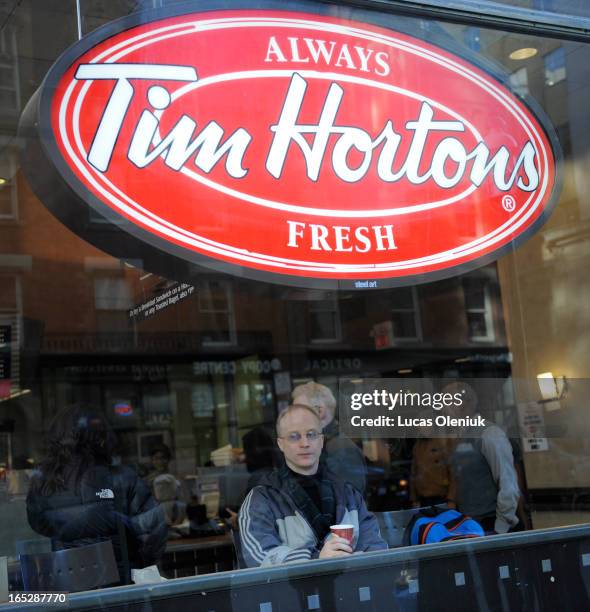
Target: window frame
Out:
[312,309]
[419,337]
[486,310]
[231,312]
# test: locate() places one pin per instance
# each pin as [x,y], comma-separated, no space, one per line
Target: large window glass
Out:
[176,400]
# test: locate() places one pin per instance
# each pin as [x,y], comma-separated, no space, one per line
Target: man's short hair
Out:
[292,408]
[470,396]
[470,400]
[315,393]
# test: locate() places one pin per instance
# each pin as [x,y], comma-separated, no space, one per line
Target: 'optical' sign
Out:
[302,148]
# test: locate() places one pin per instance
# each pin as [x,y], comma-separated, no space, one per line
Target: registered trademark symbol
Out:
[508,203]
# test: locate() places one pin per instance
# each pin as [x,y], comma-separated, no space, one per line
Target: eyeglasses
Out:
[295,436]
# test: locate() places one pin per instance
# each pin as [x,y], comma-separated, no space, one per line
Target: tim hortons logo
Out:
[299,146]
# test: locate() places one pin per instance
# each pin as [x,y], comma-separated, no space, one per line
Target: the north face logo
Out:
[105,494]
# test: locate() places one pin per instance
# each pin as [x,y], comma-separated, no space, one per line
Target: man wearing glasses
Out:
[287,517]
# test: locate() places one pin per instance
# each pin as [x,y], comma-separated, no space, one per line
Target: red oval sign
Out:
[304,147]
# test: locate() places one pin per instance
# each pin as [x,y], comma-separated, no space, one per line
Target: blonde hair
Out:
[291,408]
[315,393]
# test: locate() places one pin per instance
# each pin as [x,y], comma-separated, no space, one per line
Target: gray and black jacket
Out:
[273,530]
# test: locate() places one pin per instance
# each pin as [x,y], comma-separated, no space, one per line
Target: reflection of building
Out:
[197,367]
[204,368]
[203,371]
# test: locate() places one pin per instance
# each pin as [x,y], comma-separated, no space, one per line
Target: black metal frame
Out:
[485,14]
[544,570]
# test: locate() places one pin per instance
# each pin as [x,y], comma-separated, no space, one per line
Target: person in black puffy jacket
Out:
[77,497]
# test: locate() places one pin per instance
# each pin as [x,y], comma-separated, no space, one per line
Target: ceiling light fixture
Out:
[524,53]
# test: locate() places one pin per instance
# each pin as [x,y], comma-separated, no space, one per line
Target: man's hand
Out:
[335,547]
[232,518]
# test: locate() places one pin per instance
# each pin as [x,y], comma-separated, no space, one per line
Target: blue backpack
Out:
[436,525]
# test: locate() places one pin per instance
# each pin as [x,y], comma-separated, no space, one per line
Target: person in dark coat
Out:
[77,497]
[261,455]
